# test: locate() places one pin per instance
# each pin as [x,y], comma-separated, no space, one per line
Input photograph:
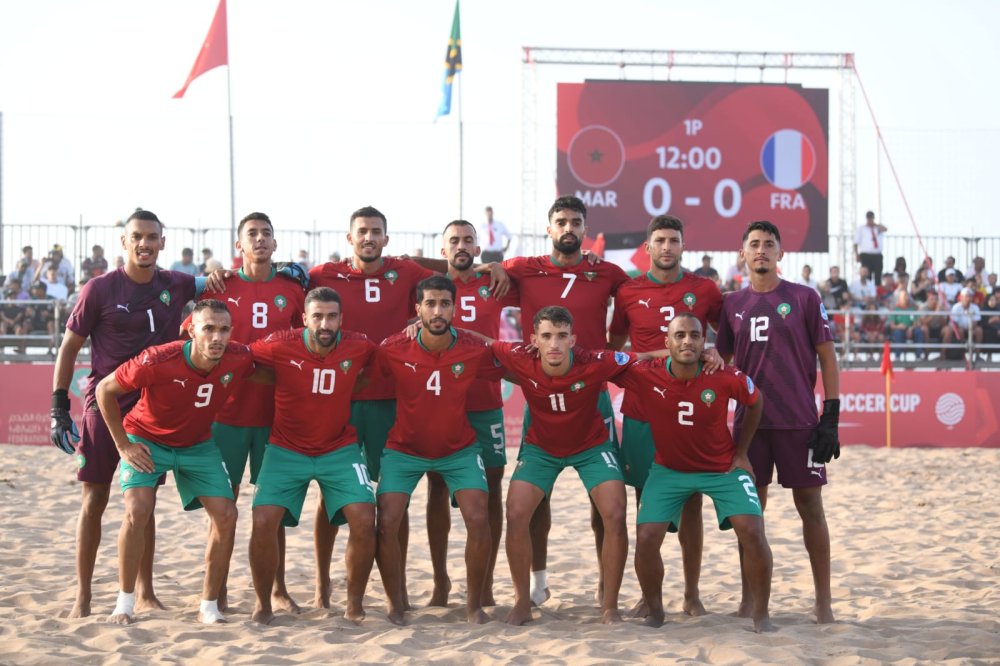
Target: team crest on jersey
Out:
[577,386]
[689,300]
[784,310]
[165,297]
[345,365]
[708,397]
[457,369]
[280,301]
[392,276]
[226,378]
[590,275]
[126,475]
[484,292]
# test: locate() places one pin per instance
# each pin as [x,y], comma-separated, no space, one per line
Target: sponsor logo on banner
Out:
[950,409]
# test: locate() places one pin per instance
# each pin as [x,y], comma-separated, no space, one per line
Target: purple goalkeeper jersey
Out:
[773,337]
[122,317]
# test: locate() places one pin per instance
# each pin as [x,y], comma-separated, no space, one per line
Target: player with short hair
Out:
[695,453]
[122,312]
[315,372]
[775,331]
[567,278]
[183,385]
[433,374]
[561,385]
[644,308]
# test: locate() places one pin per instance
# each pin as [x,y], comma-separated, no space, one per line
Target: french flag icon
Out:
[788,159]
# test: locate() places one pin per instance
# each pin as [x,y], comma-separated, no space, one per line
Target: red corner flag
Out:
[886,367]
[214,52]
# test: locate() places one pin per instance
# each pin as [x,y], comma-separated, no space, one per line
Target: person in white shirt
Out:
[493,238]
[950,288]
[869,241]
[807,278]
[54,287]
[964,315]
[863,290]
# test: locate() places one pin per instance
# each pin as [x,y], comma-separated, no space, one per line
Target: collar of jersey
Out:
[454,340]
[243,276]
[305,340]
[350,264]
[558,265]
[680,276]
[671,372]
[475,276]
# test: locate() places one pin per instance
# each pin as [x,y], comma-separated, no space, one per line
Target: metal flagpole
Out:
[461,155]
[232,179]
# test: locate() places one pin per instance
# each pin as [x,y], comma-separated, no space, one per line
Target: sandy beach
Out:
[916,579]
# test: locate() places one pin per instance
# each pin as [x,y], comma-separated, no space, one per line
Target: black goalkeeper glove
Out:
[824,441]
[62,430]
[293,271]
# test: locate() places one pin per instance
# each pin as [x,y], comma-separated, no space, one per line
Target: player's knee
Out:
[647,540]
[265,522]
[518,516]
[94,497]
[225,517]
[809,504]
[138,513]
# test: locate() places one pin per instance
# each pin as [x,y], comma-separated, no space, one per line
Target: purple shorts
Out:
[788,451]
[96,454]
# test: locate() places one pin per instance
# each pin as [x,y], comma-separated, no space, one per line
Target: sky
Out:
[333,104]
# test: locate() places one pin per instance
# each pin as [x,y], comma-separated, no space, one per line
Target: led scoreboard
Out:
[716,155]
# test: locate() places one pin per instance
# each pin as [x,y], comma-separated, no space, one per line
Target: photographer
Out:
[64,269]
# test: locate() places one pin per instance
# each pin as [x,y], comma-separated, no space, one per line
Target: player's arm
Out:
[262,375]
[825,439]
[751,419]
[135,454]
[617,341]
[62,431]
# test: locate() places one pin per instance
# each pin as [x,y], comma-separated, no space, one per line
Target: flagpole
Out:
[461,155]
[232,178]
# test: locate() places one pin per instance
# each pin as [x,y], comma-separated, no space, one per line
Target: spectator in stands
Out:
[870,329]
[991,284]
[869,242]
[95,264]
[38,318]
[903,327]
[926,268]
[949,289]
[836,293]
[303,260]
[932,324]
[334,257]
[64,269]
[54,288]
[949,264]
[863,290]
[11,314]
[885,291]
[807,278]
[119,262]
[899,268]
[206,255]
[706,270]
[991,325]
[978,270]
[186,264]
[965,317]
[22,276]
[920,286]
[978,290]
[494,238]
[738,275]
[28,256]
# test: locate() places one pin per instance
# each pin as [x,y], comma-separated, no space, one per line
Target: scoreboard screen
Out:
[715,155]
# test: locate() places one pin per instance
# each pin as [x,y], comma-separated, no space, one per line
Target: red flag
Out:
[886,367]
[214,52]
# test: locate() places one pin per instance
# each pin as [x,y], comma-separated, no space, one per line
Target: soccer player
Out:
[122,312]
[774,331]
[183,384]
[568,279]
[561,385]
[644,308]
[695,454]
[433,373]
[315,372]
[479,311]
[261,301]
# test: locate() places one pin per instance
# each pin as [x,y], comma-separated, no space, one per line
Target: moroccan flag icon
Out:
[596,156]
[788,159]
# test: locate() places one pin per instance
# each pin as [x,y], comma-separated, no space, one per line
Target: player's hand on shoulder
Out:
[137,455]
[215,282]
[592,257]
[413,329]
[712,361]
[499,280]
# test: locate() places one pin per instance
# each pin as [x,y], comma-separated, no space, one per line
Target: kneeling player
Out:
[315,372]
[695,453]
[184,384]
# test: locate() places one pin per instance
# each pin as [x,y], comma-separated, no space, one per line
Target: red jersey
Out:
[564,415]
[644,308]
[477,310]
[432,390]
[378,305]
[257,309]
[688,417]
[583,289]
[312,394]
[179,402]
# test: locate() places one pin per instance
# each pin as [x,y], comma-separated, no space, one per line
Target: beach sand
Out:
[916,579]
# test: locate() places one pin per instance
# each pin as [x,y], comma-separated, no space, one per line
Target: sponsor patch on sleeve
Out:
[822,312]
[750,387]
[621,358]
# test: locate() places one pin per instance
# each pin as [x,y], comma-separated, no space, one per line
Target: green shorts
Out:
[285,475]
[667,490]
[595,466]
[604,406]
[489,432]
[638,451]
[236,444]
[373,419]
[198,471]
[461,471]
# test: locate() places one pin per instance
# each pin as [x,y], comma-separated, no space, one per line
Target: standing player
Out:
[183,385]
[261,301]
[122,312]
[774,331]
[434,373]
[315,371]
[695,454]
[477,311]
[644,308]
[561,385]
[566,278]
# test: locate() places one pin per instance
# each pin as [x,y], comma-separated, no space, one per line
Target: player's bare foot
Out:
[283,602]
[539,597]
[396,616]
[440,595]
[355,613]
[81,608]
[611,616]
[694,607]
[262,616]
[654,620]
[148,602]
[640,609]
[824,614]
[763,625]
[121,618]
[519,614]
[477,616]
